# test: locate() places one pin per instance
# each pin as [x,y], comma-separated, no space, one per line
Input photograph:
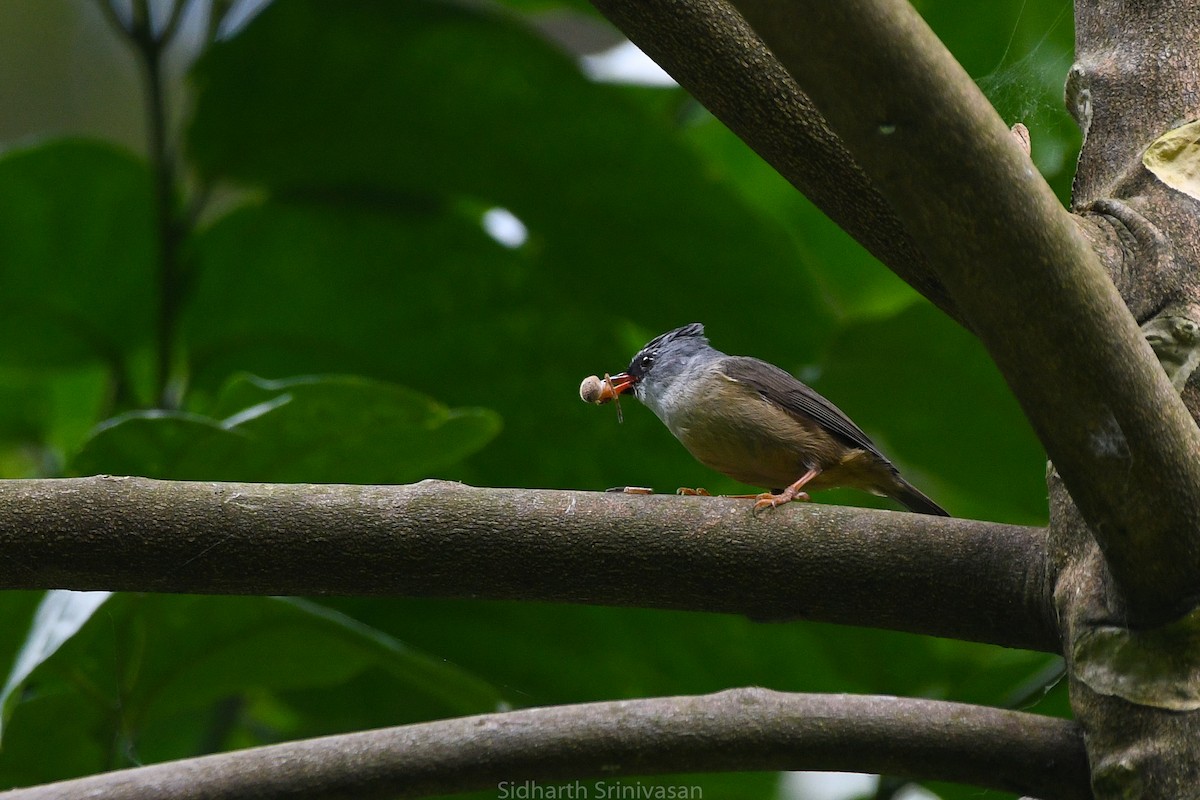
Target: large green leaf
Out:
[456,109]
[77,252]
[430,80]
[58,617]
[294,288]
[430,302]
[309,430]
[45,414]
[151,675]
[560,654]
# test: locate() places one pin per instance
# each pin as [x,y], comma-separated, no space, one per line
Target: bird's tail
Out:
[915,500]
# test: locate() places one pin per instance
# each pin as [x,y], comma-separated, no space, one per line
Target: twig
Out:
[149,47]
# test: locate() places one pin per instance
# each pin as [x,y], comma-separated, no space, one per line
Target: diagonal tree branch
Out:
[719,59]
[736,730]
[958,578]
[1015,264]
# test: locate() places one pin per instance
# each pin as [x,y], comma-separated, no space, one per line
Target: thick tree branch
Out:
[957,578]
[719,59]
[737,730]
[1016,265]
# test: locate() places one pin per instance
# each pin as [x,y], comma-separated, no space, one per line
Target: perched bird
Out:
[754,422]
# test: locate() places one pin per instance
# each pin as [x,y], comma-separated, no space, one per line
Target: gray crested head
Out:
[665,359]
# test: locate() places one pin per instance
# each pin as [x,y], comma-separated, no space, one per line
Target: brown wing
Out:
[780,388]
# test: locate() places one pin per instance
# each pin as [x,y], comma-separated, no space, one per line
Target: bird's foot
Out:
[697,492]
[768,500]
[630,490]
[793,492]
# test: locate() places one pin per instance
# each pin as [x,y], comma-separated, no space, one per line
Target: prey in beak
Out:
[601,390]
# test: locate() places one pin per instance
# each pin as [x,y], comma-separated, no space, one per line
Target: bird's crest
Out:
[694,330]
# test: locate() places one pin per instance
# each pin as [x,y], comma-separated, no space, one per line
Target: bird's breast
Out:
[734,430]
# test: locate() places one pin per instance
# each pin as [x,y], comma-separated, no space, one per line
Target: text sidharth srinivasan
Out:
[596,790]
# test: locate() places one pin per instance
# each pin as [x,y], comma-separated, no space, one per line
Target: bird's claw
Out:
[768,500]
[697,492]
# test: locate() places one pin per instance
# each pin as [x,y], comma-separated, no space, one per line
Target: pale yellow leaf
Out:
[1174,158]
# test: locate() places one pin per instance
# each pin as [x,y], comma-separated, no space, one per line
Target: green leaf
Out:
[430,81]
[562,654]
[350,429]
[307,430]
[52,736]
[159,444]
[77,252]
[626,222]
[153,674]
[262,644]
[301,288]
[430,302]
[59,616]
[368,256]
[45,414]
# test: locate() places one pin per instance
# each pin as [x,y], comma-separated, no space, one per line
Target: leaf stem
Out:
[171,226]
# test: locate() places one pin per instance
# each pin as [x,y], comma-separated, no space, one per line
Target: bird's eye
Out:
[647,361]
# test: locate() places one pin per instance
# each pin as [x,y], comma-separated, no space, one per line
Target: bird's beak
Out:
[615,385]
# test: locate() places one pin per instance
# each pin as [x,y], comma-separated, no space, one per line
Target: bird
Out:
[754,422]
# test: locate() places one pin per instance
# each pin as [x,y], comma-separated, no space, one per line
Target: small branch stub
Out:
[1021,134]
[1175,337]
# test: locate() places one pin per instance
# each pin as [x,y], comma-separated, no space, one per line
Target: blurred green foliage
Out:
[340,277]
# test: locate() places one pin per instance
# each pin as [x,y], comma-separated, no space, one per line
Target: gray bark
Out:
[741,729]
[958,578]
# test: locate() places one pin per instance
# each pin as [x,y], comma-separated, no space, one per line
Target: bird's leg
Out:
[768,500]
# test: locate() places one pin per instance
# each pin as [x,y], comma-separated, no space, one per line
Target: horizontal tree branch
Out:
[946,577]
[711,51]
[1028,283]
[736,730]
